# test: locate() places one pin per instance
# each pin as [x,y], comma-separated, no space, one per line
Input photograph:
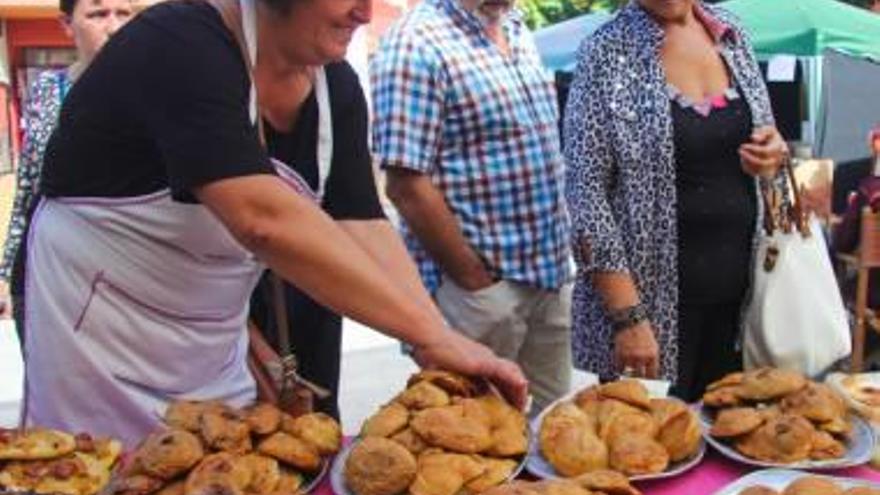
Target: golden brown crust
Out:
[411,441]
[786,439]
[166,454]
[452,383]
[758,490]
[816,402]
[289,483]
[826,447]
[320,430]
[378,466]
[634,455]
[35,444]
[681,436]
[222,472]
[441,473]
[448,427]
[574,450]
[389,420]
[496,471]
[291,450]
[736,421]
[174,488]
[263,418]
[723,397]
[187,414]
[265,473]
[607,481]
[770,383]
[729,380]
[629,391]
[862,490]
[423,395]
[812,485]
[226,430]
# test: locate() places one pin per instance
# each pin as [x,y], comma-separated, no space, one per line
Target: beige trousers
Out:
[521,323]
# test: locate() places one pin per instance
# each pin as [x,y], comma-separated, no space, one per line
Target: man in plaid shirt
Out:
[466,128]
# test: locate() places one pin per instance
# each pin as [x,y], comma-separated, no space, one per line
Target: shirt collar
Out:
[718,29]
[468,19]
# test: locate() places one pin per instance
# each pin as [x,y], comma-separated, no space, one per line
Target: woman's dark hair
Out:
[67,6]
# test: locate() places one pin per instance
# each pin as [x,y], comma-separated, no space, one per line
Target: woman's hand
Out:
[765,153]
[453,351]
[636,351]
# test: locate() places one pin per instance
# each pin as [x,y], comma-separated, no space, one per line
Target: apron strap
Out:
[241,19]
[325,129]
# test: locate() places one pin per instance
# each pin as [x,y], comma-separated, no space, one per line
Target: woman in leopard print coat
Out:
[621,181]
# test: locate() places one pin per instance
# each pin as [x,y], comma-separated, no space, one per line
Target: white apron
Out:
[134,302]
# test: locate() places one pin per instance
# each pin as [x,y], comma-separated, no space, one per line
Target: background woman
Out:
[668,124]
[90,24]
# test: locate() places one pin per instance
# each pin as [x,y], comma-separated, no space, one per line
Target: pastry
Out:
[729,380]
[735,422]
[448,427]
[638,423]
[221,472]
[411,441]
[174,488]
[816,402]
[263,418]
[289,482]
[723,397]
[166,454]
[681,435]
[265,473]
[496,471]
[187,414]
[629,391]
[390,419]
[226,430]
[574,450]
[787,439]
[139,484]
[291,450]
[634,455]
[378,466]
[758,490]
[452,383]
[318,429]
[812,485]
[862,490]
[770,383]
[440,473]
[825,447]
[35,443]
[607,481]
[423,395]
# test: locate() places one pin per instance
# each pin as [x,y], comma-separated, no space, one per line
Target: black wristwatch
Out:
[627,317]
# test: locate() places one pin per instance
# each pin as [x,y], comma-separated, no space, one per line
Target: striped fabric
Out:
[448,103]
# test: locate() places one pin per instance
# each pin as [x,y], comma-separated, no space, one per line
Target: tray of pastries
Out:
[44,461]
[616,426]
[790,482]
[208,448]
[772,417]
[445,434]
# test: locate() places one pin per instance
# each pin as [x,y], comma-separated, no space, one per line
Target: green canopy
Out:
[808,27]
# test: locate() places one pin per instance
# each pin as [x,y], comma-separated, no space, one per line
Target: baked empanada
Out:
[378,466]
[389,420]
[291,450]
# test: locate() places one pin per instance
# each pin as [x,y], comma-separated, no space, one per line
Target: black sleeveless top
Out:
[716,201]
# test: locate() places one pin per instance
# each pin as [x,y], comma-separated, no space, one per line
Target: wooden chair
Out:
[866,258]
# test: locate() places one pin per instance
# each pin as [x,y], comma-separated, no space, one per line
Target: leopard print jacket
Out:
[620,179]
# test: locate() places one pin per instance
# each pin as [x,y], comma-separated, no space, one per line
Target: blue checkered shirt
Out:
[448,103]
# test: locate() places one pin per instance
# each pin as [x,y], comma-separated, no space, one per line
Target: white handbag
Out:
[795,318]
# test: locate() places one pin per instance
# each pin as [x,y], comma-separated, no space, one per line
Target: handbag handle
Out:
[790,214]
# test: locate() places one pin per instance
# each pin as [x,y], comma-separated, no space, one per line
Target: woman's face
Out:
[93,22]
[875,143]
[319,31]
[668,10]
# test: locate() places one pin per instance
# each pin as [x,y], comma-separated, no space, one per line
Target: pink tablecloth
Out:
[714,473]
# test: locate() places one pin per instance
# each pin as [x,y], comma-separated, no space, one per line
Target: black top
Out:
[165,104]
[716,203]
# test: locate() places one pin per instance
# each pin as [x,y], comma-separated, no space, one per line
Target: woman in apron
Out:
[161,208]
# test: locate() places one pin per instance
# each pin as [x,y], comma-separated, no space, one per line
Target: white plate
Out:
[337,472]
[859,448]
[538,466]
[313,481]
[778,479]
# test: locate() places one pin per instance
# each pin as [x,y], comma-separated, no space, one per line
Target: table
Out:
[714,473]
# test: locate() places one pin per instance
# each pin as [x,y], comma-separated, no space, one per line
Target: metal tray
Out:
[538,466]
[778,479]
[860,447]
[337,472]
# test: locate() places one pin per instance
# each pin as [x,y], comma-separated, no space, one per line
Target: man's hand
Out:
[453,351]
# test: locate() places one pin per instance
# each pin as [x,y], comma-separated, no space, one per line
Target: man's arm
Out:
[424,208]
